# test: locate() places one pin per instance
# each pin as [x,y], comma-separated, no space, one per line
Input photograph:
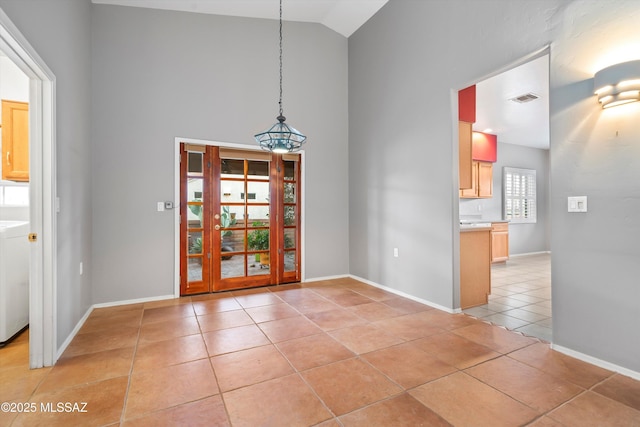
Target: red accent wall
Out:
[484,147]
[467,104]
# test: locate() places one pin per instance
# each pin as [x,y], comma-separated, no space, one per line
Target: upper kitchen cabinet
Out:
[15,141]
[481,180]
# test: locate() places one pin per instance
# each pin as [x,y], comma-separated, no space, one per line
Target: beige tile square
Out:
[224,320]
[289,328]
[494,337]
[246,367]
[169,386]
[201,413]
[349,385]
[169,352]
[524,383]
[285,401]
[364,338]
[407,365]
[399,411]
[313,351]
[593,409]
[464,401]
[234,339]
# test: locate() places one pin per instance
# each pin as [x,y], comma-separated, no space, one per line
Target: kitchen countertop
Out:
[478,224]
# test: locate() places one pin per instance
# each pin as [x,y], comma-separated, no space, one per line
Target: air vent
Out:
[527,97]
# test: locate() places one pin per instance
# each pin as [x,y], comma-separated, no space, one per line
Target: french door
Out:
[239,218]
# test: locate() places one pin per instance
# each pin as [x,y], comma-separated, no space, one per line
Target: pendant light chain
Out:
[280,138]
[280,102]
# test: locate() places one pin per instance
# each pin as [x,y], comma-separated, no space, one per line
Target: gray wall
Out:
[523,238]
[405,63]
[158,75]
[405,66]
[60,32]
[595,153]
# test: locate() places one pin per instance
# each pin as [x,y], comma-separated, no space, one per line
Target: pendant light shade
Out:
[280,138]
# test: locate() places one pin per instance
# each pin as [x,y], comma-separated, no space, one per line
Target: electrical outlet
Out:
[160,206]
[395,252]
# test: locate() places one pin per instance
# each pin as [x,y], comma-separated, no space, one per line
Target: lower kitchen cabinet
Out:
[475,267]
[499,241]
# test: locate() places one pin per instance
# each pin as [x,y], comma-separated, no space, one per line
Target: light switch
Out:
[577,204]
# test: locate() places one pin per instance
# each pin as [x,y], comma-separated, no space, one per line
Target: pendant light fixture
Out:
[280,138]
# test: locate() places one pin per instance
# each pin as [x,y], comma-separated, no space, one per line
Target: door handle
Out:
[8,161]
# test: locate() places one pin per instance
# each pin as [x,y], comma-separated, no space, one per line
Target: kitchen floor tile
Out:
[266,313]
[623,389]
[560,365]
[594,409]
[201,413]
[313,351]
[285,401]
[216,305]
[374,311]
[497,339]
[132,364]
[169,352]
[234,339]
[408,327]
[88,368]
[524,383]
[349,385]
[335,319]
[399,411]
[169,386]
[455,350]
[289,328]
[417,367]
[103,405]
[464,401]
[224,320]
[160,331]
[246,367]
[364,338]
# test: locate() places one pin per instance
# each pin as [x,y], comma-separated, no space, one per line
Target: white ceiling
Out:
[523,124]
[342,16]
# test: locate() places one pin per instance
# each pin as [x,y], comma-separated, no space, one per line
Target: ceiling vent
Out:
[527,97]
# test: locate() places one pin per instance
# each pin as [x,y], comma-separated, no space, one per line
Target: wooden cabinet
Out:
[465,164]
[475,267]
[482,181]
[15,141]
[499,241]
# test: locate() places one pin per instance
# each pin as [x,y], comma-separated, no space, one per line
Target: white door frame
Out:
[42,194]
[176,192]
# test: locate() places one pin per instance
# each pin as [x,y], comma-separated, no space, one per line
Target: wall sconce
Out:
[618,84]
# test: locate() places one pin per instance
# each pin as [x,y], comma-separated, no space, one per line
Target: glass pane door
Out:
[240,223]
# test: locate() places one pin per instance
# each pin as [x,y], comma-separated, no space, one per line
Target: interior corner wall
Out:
[60,33]
[404,65]
[595,153]
[158,75]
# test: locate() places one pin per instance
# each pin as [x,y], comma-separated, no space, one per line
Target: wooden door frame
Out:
[176,198]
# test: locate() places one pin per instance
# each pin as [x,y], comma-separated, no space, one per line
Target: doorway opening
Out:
[512,106]
[239,218]
[42,196]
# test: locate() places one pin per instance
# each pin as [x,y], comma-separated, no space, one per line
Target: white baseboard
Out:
[73,333]
[408,296]
[597,362]
[529,254]
[133,301]
[317,279]
[84,318]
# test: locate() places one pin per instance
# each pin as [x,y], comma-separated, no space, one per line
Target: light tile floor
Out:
[332,353]
[520,296]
